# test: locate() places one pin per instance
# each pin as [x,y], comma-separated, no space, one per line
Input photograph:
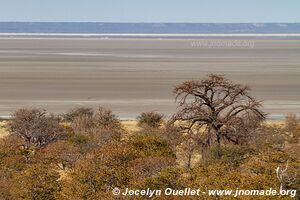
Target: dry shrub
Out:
[76,112]
[150,166]
[101,119]
[92,131]
[35,126]
[150,119]
[291,122]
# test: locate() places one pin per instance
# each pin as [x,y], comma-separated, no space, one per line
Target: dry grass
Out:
[130,126]
[278,124]
[3,131]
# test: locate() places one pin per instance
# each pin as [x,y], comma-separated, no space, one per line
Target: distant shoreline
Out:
[146,35]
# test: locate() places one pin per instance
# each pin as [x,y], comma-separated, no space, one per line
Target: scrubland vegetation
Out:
[217,139]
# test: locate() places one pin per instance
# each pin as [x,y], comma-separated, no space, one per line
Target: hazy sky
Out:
[151,10]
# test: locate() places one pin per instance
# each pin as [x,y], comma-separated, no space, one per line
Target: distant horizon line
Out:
[150,22]
[142,35]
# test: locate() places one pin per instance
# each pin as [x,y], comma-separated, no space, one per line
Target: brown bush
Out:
[291,122]
[76,112]
[150,166]
[36,182]
[150,119]
[35,127]
[102,119]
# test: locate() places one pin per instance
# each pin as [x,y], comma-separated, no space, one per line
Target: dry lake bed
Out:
[134,75]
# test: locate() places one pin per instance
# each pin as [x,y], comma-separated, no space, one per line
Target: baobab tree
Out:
[216,109]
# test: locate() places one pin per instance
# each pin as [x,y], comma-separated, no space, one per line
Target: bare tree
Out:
[35,127]
[216,109]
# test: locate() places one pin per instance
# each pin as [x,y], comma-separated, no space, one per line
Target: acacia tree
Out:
[216,109]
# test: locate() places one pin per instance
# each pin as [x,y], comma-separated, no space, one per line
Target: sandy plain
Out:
[134,75]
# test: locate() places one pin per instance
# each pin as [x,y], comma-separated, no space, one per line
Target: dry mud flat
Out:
[135,75]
